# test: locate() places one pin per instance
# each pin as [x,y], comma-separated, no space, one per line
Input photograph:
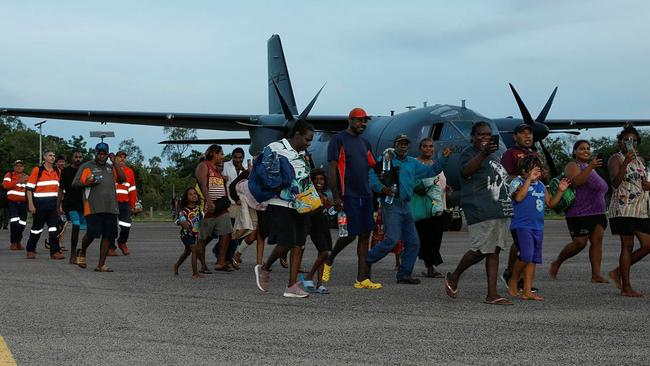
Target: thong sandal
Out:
[103,268]
[81,261]
[498,301]
[235,263]
[225,268]
[450,291]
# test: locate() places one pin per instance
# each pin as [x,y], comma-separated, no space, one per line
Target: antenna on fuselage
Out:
[462,103]
[410,107]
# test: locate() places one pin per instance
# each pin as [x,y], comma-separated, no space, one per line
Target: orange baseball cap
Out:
[358,113]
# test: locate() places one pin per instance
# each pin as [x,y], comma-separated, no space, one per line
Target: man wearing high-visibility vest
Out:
[127,197]
[14,183]
[42,191]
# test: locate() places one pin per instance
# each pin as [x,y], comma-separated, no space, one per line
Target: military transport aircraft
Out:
[448,125]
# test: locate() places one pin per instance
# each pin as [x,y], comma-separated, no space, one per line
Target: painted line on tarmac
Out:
[6,359]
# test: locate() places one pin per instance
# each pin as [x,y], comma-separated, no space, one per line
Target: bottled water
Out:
[343,224]
[389,199]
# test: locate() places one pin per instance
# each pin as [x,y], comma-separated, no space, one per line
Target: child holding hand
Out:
[529,200]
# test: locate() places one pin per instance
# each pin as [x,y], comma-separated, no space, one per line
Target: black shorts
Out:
[585,225]
[101,225]
[319,232]
[288,226]
[264,222]
[629,225]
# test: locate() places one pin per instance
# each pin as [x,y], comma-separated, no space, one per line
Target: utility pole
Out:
[40,140]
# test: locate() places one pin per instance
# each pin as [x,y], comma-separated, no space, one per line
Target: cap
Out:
[401,137]
[358,113]
[121,152]
[102,146]
[522,127]
[19,162]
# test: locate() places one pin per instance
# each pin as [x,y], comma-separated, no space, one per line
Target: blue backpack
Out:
[270,174]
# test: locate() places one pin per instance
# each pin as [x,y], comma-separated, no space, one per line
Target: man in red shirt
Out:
[127,196]
[14,183]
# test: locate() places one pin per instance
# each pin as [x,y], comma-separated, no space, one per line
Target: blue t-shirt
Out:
[354,159]
[529,213]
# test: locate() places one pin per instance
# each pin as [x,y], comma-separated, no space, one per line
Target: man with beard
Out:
[97,179]
[350,159]
[70,202]
[523,136]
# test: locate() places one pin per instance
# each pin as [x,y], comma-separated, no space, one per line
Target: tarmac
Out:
[54,313]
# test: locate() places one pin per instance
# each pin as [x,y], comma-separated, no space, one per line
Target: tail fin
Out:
[278,72]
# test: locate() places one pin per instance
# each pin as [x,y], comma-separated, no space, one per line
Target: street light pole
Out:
[40,140]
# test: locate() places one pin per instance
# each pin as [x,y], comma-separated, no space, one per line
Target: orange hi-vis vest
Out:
[45,188]
[15,190]
[126,191]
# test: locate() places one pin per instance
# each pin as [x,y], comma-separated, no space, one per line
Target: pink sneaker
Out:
[262,278]
[295,291]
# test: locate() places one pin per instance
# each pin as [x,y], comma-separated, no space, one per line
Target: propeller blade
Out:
[542,115]
[522,107]
[285,107]
[303,115]
[549,160]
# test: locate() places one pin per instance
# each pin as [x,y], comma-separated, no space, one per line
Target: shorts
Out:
[264,222]
[101,225]
[530,245]
[486,236]
[359,211]
[77,219]
[213,227]
[188,240]
[319,232]
[585,225]
[288,226]
[629,225]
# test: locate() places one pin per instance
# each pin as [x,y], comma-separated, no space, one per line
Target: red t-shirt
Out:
[511,157]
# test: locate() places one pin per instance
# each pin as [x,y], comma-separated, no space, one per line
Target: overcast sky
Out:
[207,56]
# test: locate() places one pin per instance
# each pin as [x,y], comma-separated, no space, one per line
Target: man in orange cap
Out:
[350,160]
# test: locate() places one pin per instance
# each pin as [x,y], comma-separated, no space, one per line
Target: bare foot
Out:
[175,270]
[616,278]
[553,270]
[532,296]
[631,293]
[197,276]
[513,288]
[599,279]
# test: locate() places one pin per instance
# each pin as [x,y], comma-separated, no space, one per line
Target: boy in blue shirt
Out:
[529,199]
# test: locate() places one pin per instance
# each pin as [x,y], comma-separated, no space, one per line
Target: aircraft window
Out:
[437,131]
[450,132]
[425,132]
[465,127]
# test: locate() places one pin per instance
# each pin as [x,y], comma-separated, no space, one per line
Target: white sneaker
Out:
[295,291]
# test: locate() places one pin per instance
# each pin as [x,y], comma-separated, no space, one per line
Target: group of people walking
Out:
[93,196]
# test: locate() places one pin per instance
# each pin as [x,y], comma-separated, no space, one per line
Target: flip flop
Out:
[103,268]
[205,271]
[225,268]
[284,263]
[450,291]
[322,290]
[498,301]
[81,261]
[235,263]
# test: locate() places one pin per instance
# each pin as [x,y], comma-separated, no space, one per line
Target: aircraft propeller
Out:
[540,129]
[290,119]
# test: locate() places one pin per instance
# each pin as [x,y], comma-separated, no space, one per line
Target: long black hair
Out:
[625,131]
[185,197]
[576,145]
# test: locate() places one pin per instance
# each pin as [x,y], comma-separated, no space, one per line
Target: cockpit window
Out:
[456,130]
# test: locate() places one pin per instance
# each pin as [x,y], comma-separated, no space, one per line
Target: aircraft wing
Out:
[563,124]
[225,122]
[207,121]
[230,141]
